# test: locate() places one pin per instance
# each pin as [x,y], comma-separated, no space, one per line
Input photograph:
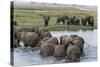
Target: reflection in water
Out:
[27,56]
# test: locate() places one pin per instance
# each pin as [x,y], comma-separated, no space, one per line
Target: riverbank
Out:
[32,15]
[64,28]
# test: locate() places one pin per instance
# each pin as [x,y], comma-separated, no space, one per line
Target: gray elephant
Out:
[42,41]
[62,19]
[29,38]
[48,45]
[20,36]
[46,20]
[47,49]
[52,40]
[46,34]
[79,41]
[64,39]
[41,32]
[88,20]
[35,29]
[59,52]
[17,29]
[73,53]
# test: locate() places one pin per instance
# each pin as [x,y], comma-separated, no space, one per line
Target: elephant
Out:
[52,40]
[79,41]
[47,46]
[46,20]
[41,32]
[64,39]
[91,21]
[61,19]
[17,29]
[84,21]
[71,20]
[76,21]
[73,53]
[59,51]
[79,44]
[20,36]
[35,29]
[41,42]
[47,49]
[29,38]
[73,36]
[88,20]
[46,34]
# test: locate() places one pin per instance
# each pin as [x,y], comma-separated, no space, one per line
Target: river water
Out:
[31,56]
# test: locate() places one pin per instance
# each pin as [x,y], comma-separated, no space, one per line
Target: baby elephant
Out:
[59,52]
[73,53]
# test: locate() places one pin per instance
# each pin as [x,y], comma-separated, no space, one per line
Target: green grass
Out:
[28,19]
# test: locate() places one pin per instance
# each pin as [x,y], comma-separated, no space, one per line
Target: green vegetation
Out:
[31,18]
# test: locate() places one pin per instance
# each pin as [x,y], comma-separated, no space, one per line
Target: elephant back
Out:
[59,51]
[31,39]
[73,53]
[53,40]
[47,49]
[47,34]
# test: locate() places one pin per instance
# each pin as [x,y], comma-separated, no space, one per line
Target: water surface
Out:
[30,56]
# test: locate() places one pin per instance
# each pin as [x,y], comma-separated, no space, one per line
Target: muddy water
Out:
[30,56]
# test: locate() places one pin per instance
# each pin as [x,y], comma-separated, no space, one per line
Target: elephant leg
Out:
[89,24]
[85,23]
[68,23]
[45,24]
[92,24]
[63,22]
[58,22]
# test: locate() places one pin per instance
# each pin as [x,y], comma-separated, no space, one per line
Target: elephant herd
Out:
[71,20]
[68,47]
